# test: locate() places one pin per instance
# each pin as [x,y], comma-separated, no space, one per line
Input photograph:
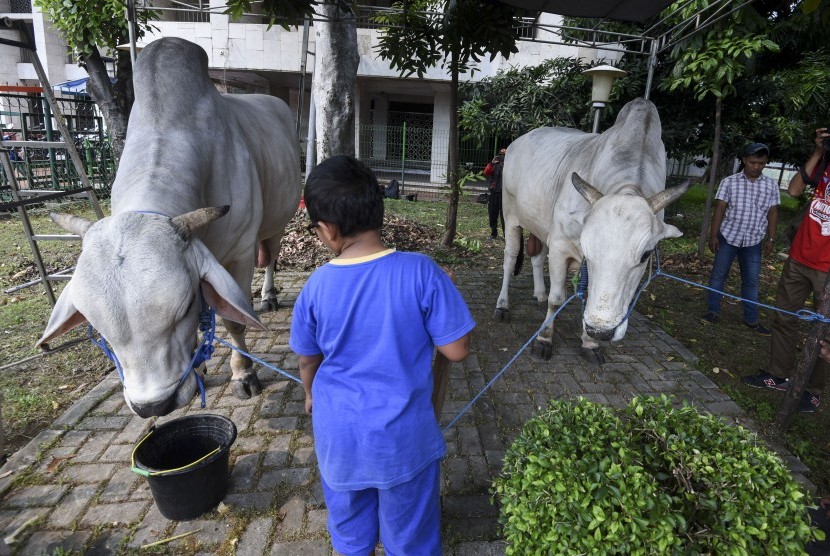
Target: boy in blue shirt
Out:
[364,327]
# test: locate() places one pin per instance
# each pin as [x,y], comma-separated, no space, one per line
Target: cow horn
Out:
[185,224]
[71,223]
[591,193]
[661,200]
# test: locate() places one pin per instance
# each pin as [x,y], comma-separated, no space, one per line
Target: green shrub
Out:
[650,479]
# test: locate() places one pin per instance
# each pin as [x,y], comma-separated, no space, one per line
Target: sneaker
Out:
[710,318]
[809,402]
[759,328]
[766,380]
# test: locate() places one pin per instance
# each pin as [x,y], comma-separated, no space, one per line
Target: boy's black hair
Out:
[344,192]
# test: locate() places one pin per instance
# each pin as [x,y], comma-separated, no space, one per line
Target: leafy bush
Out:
[582,478]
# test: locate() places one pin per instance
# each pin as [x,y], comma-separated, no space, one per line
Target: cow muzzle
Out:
[152,409]
[607,333]
[601,334]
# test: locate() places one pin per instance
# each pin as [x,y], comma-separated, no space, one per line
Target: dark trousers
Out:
[495,213]
[795,286]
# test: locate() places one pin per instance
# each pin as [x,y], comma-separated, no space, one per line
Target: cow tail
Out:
[520,258]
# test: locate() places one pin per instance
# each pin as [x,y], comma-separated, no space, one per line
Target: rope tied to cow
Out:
[802,314]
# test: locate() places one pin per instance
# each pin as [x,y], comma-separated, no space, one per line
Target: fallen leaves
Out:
[301,250]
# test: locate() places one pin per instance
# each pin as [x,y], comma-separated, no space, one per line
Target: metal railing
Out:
[29,118]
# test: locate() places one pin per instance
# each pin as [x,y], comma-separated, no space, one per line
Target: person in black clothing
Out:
[494,200]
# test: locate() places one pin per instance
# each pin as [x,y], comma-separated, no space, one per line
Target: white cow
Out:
[191,156]
[594,196]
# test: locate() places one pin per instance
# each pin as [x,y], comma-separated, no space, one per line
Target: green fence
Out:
[415,155]
[28,117]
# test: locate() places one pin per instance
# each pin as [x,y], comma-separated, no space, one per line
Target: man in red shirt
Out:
[804,272]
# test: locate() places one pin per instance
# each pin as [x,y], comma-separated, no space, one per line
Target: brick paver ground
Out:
[71,487]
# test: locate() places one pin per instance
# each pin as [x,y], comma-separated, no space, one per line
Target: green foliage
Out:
[713,68]
[554,93]
[86,24]
[285,13]
[420,34]
[582,478]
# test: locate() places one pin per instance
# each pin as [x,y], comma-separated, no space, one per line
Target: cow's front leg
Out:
[591,351]
[244,381]
[269,292]
[512,245]
[543,345]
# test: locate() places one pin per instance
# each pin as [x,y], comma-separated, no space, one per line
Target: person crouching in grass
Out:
[364,327]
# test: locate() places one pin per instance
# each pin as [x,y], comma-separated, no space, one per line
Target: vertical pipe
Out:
[131,29]
[47,128]
[652,64]
[303,64]
[403,155]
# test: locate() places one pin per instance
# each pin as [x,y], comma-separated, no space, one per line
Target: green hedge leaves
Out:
[582,478]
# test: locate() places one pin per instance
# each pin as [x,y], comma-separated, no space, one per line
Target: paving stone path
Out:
[71,488]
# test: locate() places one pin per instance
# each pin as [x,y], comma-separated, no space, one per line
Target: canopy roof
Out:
[624,10]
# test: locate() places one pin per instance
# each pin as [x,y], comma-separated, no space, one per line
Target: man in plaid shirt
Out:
[743,226]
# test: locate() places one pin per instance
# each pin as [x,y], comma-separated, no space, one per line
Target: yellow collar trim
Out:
[358,260]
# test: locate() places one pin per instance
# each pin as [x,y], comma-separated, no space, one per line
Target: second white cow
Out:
[593,196]
[190,154]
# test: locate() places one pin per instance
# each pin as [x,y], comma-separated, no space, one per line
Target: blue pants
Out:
[406,517]
[749,261]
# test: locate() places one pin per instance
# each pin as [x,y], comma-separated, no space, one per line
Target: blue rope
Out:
[260,361]
[507,366]
[101,342]
[803,314]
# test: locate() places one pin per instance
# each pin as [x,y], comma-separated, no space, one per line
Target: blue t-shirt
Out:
[376,322]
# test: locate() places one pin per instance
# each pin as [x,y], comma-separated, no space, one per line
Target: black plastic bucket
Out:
[186,464]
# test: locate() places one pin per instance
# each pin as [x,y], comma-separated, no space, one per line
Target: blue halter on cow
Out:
[597,197]
[205,187]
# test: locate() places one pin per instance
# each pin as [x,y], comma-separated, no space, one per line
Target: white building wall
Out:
[440,135]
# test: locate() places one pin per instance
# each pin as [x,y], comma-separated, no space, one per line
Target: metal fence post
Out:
[47,128]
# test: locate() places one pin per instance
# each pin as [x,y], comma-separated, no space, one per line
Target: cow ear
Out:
[223,294]
[671,231]
[64,317]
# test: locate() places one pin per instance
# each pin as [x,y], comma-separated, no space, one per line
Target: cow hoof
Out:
[593,356]
[244,388]
[502,315]
[541,350]
[269,304]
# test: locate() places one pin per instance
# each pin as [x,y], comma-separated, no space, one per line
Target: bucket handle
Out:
[146,473]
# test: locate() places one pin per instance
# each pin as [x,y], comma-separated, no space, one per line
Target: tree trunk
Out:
[452,158]
[702,239]
[114,99]
[335,73]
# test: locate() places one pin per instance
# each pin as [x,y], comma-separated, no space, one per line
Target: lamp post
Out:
[603,78]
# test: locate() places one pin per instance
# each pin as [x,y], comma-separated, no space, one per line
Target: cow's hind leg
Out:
[539,290]
[244,381]
[512,246]
[269,292]
[266,257]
